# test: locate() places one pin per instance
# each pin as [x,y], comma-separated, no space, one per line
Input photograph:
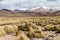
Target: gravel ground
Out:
[49,35]
[8,37]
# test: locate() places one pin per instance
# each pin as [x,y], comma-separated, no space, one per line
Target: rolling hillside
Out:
[35,12]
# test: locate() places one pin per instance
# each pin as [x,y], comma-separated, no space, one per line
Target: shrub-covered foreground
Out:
[31,27]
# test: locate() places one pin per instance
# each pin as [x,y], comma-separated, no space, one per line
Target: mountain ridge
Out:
[35,12]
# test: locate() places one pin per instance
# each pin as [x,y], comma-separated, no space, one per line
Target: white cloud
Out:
[25,4]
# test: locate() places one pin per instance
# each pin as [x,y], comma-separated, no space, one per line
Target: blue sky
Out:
[28,4]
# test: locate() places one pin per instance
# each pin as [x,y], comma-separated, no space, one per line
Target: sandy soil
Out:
[8,37]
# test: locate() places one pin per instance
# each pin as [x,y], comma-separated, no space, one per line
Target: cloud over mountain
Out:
[20,4]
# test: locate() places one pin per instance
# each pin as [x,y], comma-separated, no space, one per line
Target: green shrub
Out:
[39,35]
[58,21]
[57,28]
[23,27]
[42,22]
[49,27]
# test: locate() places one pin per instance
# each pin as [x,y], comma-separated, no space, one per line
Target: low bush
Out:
[23,26]
[57,28]
[39,35]
[49,27]
[42,22]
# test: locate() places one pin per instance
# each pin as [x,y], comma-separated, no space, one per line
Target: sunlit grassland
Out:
[4,20]
[32,25]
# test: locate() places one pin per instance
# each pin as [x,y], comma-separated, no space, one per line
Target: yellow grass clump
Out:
[22,36]
[11,28]
[2,32]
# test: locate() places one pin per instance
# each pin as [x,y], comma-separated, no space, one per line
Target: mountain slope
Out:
[6,12]
[26,13]
[39,12]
